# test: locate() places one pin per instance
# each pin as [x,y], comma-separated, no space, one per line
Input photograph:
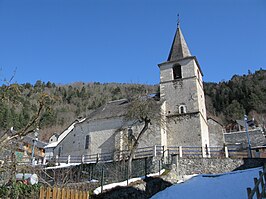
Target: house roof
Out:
[256,136]
[215,119]
[64,134]
[40,144]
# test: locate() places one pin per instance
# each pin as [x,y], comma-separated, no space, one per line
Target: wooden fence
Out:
[259,188]
[62,193]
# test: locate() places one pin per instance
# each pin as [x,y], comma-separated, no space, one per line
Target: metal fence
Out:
[156,151]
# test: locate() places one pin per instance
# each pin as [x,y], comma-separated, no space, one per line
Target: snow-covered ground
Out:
[124,183]
[232,185]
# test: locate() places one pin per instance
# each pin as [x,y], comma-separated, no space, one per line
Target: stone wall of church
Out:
[101,137]
[151,137]
[201,99]
[184,130]
[205,138]
[105,136]
[187,69]
[181,91]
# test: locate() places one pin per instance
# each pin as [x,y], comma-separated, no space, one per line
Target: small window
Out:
[87,141]
[59,151]
[177,73]
[182,109]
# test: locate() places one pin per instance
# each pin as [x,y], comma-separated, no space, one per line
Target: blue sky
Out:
[66,41]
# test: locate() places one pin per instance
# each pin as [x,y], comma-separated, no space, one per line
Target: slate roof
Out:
[40,144]
[117,108]
[112,109]
[257,138]
[214,118]
[179,49]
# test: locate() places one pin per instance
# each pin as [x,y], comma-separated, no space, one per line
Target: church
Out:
[182,107]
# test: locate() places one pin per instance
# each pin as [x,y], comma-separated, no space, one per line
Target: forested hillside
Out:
[241,95]
[225,100]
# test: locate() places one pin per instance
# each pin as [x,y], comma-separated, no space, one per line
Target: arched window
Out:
[177,73]
[182,109]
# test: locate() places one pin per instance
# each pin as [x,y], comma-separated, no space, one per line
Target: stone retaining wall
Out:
[207,165]
[189,166]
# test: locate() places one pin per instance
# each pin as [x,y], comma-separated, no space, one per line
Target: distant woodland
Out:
[226,101]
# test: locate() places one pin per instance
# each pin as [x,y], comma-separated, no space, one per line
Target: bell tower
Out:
[181,90]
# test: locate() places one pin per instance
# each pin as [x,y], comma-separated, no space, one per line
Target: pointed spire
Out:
[179,47]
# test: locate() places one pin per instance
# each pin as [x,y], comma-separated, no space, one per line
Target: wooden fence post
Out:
[76,194]
[59,193]
[55,190]
[63,193]
[72,194]
[42,192]
[68,194]
[85,195]
[48,192]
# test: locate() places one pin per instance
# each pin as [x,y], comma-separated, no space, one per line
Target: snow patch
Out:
[209,186]
[124,183]
[63,165]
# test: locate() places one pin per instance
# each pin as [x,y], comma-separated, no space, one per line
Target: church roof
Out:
[117,108]
[112,109]
[179,49]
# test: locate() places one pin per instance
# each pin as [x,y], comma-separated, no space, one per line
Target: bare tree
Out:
[143,111]
[10,138]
